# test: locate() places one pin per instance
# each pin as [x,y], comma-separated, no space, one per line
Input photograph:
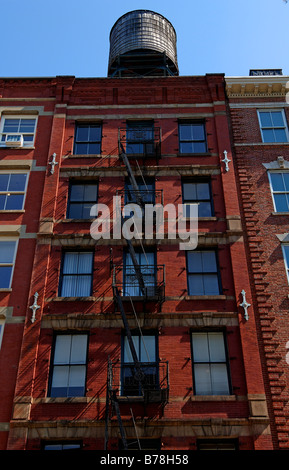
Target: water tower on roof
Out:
[142,43]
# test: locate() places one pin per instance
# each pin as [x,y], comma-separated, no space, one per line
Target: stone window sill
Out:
[12,211]
[78,299]
[63,400]
[205,297]
[280,213]
[213,398]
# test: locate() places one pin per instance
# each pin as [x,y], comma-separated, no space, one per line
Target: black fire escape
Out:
[144,382]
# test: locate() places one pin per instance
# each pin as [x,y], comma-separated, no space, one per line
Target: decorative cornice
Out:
[257,87]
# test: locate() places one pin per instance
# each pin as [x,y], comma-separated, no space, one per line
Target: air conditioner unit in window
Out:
[14,140]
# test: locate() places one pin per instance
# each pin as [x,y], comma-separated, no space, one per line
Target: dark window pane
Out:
[286,181]
[186,147]
[195,261]
[81,149]
[265,118]
[76,277]
[75,211]
[5,276]
[95,133]
[268,135]
[280,135]
[7,250]
[277,119]
[277,182]
[186,132]
[27,125]
[11,125]
[82,193]
[17,182]
[14,202]
[82,134]
[86,210]
[93,149]
[198,132]
[76,192]
[190,191]
[2,201]
[134,148]
[209,261]
[281,202]
[4,180]
[28,138]
[200,147]
[211,284]
[196,286]
[205,209]
[203,191]
[53,447]
[286,251]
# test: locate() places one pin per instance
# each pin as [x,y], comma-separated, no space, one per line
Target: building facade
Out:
[135,343]
[259,124]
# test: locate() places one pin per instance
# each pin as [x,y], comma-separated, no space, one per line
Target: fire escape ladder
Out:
[111,398]
[131,177]
[138,372]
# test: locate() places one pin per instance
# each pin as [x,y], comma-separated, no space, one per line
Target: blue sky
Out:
[71,37]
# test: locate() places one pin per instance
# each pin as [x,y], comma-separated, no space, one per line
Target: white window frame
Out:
[285,126]
[285,260]
[210,362]
[18,116]
[24,192]
[280,171]
[10,239]
[67,362]
[2,324]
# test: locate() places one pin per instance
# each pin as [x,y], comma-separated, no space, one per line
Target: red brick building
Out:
[189,333]
[259,117]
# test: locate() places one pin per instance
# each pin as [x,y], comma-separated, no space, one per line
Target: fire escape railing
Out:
[124,381]
[140,142]
[148,196]
[125,279]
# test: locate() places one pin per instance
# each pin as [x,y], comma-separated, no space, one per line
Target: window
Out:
[66,445]
[198,192]
[12,190]
[273,126]
[1,330]
[147,266]
[146,190]
[82,196]
[192,137]
[146,350]
[87,139]
[210,365]
[285,249]
[203,273]
[140,138]
[280,190]
[7,260]
[68,372]
[76,275]
[17,131]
